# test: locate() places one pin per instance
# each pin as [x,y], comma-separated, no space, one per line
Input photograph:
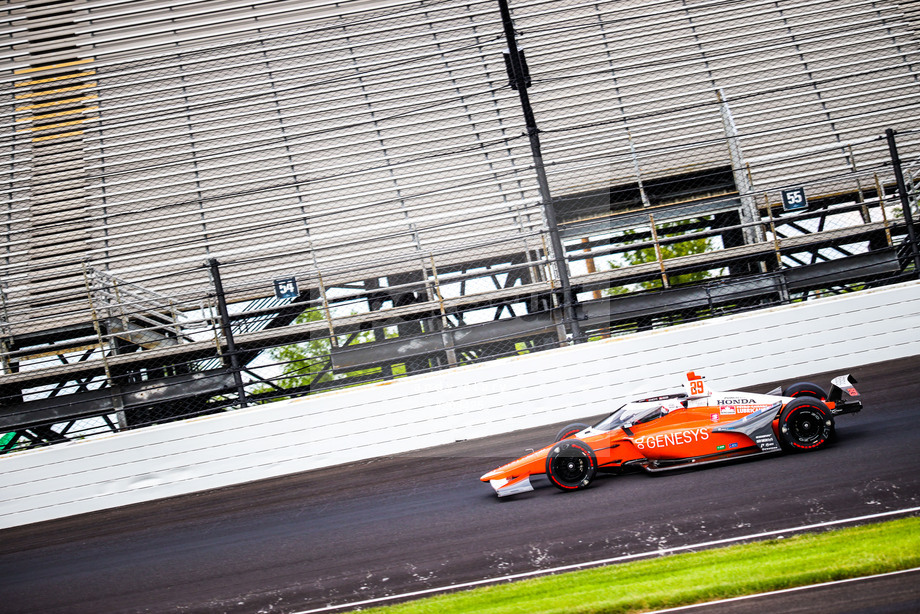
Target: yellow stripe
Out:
[88,73]
[79,348]
[60,125]
[57,91]
[42,105]
[23,71]
[58,114]
[57,136]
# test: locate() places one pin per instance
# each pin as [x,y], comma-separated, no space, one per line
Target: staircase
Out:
[134,314]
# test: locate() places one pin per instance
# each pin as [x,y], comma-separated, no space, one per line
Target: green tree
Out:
[306,364]
[677,249]
[301,362]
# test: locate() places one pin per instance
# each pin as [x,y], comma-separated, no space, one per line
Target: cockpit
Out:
[642,411]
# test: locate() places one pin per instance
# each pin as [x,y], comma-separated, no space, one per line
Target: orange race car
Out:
[689,426]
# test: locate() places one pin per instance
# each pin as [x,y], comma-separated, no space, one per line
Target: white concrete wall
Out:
[437,408]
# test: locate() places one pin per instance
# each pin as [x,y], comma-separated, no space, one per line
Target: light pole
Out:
[519,78]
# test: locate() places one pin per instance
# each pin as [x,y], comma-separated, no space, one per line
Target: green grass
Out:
[684,579]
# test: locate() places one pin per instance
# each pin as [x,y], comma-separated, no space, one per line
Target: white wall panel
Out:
[439,408]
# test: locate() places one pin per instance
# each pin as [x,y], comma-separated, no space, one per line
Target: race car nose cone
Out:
[491,475]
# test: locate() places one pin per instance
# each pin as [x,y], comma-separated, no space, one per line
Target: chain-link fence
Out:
[428,185]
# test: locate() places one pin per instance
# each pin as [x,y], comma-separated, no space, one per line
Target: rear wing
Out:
[840,385]
[843,395]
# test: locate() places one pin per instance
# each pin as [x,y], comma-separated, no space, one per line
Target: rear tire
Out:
[571,465]
[805,424]
[570,431]
[805,389]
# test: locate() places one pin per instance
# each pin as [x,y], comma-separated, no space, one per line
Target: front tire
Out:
[805,424]
[571,465]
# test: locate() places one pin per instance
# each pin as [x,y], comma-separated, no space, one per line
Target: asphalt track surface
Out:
[423,520]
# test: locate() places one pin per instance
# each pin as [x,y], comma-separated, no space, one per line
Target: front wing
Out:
[511,486]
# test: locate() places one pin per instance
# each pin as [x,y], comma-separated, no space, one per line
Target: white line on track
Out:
[608,561]
[794,589]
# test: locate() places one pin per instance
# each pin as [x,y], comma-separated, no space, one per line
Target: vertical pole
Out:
[5,332]
[333,340]
[517,69]
[447,337]
[753,232]
[864,210]
[636,168]
[905,202]
[117,401]
[658,256]
[592,266]
[228,331]
[780,277]
[779,255]
[881,205]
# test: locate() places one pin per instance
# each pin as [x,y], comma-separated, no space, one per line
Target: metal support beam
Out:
[905,202]
[54,410]
[520,77]
[753,232]
[227,329]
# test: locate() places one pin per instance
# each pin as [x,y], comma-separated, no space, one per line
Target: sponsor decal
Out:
[722,447]
[767,443]
[672,439]
[733,445]
[740,406]
[714,417]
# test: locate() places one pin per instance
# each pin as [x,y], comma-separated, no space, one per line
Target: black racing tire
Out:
[570,430]
[805,424]
[571,465]
[805,389]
